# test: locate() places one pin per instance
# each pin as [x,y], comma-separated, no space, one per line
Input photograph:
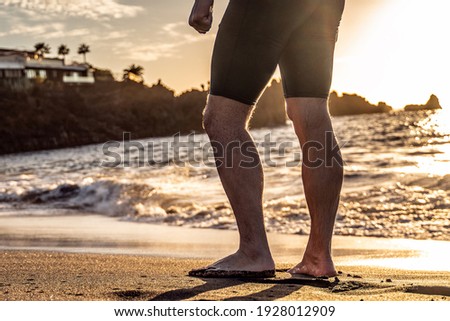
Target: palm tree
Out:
[41,48]
[63,50]
[134,73]
[83,49]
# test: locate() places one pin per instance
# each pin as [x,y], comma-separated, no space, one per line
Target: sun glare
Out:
[423,255]
[398,54]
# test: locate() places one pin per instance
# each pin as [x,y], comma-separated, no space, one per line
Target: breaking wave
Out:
[396,183]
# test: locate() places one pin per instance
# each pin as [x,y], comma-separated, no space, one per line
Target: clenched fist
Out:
[201,16]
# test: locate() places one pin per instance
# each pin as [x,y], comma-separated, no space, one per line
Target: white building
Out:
[19,66]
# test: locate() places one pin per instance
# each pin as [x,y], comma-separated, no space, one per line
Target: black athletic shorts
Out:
[257,35]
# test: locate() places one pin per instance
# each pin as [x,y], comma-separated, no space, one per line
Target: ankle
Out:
[317,256]
[319,245]
[255,253]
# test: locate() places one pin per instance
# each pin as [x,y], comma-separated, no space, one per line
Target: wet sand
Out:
[46,276]
[91,257]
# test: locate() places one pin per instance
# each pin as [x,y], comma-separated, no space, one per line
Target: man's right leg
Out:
[322,174]
[226,121]
[306,67]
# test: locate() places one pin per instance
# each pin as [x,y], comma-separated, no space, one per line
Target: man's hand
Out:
[201,16]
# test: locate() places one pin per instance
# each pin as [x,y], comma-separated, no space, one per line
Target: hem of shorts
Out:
[239,99]
[307,95]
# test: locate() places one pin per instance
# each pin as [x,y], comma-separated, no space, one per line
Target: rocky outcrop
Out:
[432,104]
[353,105]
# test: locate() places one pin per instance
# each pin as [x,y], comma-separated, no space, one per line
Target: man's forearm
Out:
[201,16]
[204,4]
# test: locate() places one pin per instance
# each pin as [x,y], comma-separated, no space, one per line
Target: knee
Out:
[222,115]
[309,116]
[211,121]
[307,109]
[215,123]
[299,121]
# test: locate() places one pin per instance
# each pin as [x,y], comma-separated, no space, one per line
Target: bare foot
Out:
[239,261]
[316,267]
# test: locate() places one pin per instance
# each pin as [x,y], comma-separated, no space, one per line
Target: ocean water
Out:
[397,180]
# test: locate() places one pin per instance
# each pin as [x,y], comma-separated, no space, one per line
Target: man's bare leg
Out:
[322,184]
[226,122]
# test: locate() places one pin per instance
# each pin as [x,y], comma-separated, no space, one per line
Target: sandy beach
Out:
[137,136]
[89,257]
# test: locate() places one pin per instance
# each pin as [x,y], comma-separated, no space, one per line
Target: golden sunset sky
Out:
[389,50]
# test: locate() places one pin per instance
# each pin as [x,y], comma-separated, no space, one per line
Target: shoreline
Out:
[97,234]
[92,257]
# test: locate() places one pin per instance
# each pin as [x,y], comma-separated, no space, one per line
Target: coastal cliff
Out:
[49,117]
[354,105]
